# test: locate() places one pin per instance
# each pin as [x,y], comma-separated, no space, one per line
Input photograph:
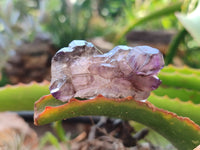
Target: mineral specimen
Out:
[80,70]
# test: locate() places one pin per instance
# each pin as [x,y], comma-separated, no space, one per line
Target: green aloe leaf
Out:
[180,131]
[180,82]
[183,70]
[22,96]
[177,79]
[181,93]
[186,109]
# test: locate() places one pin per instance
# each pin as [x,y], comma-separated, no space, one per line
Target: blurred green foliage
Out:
[66,20]
[70,19]
[16,25]
[190,19]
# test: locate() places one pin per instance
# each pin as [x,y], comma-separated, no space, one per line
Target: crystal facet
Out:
[80,70]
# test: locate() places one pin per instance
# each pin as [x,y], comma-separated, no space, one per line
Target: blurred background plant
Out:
[16,24]
[66,20]
[190,19]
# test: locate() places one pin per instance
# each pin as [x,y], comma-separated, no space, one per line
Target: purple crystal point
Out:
[145,60]
[80,70]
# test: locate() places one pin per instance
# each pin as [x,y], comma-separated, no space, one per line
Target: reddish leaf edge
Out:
[147,104]
[182,132]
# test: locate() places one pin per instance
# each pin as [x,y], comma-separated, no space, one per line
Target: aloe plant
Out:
[174,128]
[22,96]
[173,96]
[172,110]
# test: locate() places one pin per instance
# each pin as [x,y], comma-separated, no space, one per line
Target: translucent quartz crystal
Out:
[80,70]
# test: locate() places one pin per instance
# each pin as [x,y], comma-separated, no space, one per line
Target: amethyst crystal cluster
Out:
[80,70]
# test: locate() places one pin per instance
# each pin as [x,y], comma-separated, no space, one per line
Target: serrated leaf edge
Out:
[147,104]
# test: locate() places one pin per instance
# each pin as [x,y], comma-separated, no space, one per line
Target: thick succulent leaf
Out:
[191,22]
[182,70]
[186,109]
[181,93]
[180,82]
[181,131]
[22,96]
[177,79]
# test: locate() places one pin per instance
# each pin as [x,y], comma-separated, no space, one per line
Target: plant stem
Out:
[59,130]
[173,47]
[155,15]
[49,137]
